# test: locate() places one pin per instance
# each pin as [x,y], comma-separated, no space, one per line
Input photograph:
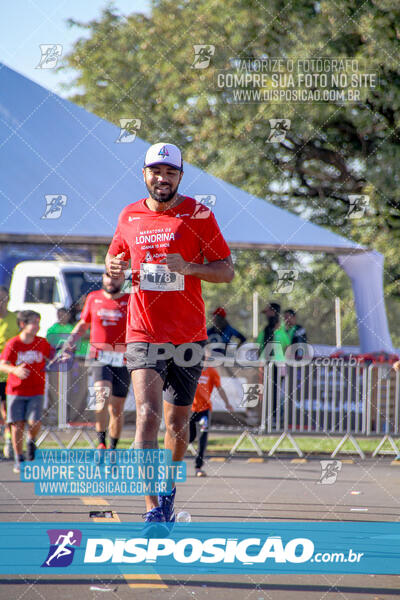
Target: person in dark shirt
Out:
[222,331]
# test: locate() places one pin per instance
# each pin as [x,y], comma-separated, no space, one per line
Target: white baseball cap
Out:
[164,154]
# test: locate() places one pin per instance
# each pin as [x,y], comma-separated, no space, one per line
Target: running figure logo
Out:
[252,393]
[203,54]
[357,206]
[329,471]
[286,279]
[60,552]
[54,206]
[279,129]
[50,55]
[129,129]
[98,396]
[208,200]
[204,204]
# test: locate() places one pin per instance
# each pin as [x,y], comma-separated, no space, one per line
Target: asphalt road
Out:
[236,490]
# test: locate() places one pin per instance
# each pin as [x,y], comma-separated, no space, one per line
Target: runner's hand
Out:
[396,366]
[117,265]
[229,406]
[21,371]
[176,263]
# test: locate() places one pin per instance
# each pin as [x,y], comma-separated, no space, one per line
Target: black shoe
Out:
[30,450]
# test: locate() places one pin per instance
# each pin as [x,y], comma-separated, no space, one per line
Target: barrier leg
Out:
[77,435]
[295,447]
[49,432]
[351,439]
[387,438]
[246,434]
[62,399]
[42,437]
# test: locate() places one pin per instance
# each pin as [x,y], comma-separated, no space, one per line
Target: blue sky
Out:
[25,24]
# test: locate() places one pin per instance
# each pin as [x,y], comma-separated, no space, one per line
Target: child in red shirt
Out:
[201,407]
[24,359]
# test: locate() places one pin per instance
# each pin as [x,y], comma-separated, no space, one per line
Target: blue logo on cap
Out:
[164,152]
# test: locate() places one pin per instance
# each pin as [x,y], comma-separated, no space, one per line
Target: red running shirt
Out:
[107,320]
[209,379]
[32,356]
[167,307]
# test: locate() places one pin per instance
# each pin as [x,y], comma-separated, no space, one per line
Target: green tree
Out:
[142,67]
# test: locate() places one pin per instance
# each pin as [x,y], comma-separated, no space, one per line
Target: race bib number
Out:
[114,359]
[158,278]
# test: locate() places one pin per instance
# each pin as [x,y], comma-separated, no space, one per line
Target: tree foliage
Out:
[141,66]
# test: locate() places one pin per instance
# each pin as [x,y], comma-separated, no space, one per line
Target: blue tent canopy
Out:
[51,146]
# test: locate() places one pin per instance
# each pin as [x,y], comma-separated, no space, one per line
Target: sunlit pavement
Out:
[277,489]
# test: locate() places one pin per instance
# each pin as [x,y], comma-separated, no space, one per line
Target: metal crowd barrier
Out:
[65,404]
[335,400]
[331,400]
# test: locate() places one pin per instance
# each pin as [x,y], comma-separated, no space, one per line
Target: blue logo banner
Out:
[114,548]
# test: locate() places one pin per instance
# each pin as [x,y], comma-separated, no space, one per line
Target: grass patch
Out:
[309,445]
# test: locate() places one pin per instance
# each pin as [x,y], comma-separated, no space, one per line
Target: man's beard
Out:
[112,288]
[160,198]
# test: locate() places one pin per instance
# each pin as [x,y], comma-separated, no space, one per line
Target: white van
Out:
[45,286]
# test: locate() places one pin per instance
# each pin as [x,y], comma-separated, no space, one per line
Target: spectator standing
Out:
[58,333]
[222,331]
[274,332]
[296,333]
[272,312]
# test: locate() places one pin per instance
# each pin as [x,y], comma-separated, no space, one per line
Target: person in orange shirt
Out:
[201,409]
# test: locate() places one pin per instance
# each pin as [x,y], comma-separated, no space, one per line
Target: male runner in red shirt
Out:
[167,238]
[105,313]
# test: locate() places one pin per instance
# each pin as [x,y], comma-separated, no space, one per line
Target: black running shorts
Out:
[118,376]
[179,366]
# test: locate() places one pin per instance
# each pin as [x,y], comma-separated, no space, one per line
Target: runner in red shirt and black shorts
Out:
[105,313]
[167,237]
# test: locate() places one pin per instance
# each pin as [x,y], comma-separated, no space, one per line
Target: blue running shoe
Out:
[167,505]
[155,526]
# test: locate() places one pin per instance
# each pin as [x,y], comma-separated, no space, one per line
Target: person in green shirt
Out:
[58,333]
[273,332]
[8,329]
[297,334]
